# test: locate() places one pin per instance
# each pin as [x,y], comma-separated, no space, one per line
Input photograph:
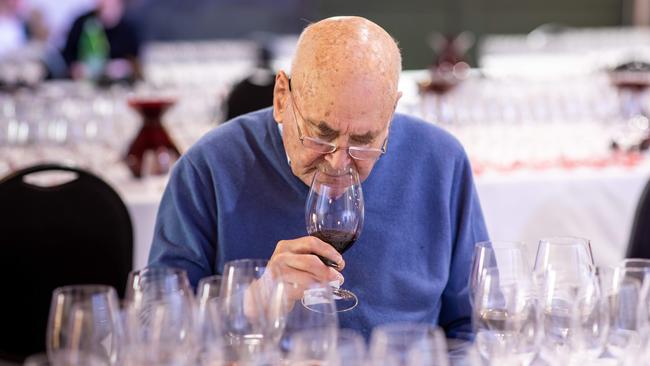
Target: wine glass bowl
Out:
[564,253]
[334,213]
[505,318]
[159,317]
[408,344]
[334,210]
[509,257]
[84,326]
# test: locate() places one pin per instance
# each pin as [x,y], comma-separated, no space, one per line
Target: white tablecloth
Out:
[598,205]
[522,205]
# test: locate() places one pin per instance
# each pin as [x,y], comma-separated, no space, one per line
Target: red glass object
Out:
[152,152]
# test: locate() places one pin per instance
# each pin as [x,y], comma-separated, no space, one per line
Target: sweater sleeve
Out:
[465,209]
[185,233]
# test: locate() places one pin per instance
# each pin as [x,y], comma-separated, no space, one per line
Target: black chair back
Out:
[77,232]
[639,245]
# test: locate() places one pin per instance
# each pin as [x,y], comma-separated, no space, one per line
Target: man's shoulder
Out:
[232,141]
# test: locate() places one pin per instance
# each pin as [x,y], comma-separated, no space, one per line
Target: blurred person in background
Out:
[103,45]
[255,91]
[58,16]
[18,25]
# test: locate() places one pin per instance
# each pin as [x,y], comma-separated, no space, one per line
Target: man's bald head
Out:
[343,48]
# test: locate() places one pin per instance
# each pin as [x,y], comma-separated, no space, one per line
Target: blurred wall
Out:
[411,22]
[205,19]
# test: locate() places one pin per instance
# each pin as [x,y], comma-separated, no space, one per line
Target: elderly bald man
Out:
[240,191]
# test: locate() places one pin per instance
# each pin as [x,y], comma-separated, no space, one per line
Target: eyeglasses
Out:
[323,147]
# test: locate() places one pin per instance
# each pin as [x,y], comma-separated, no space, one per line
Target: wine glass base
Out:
[345,301]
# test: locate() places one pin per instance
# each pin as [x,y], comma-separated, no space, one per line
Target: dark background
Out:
[410,21]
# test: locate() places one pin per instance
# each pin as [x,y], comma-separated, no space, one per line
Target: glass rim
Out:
[565,240]
[500,243]
[255,261]
[644,263]
[86,289]
[209,279]
[411,327]
[158,270]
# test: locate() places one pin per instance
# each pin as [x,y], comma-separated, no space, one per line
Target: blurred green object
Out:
[94,48]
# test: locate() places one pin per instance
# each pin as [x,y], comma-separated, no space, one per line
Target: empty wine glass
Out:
[320,317]
[311,347]
[627,305]
[160,318]
[509,257]
[84,326]
[408,344]
[573,317]
[253,309]
[334,213]
[209,321]
[505,319]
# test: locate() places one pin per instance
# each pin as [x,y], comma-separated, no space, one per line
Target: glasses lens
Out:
[317,145]
[361,153]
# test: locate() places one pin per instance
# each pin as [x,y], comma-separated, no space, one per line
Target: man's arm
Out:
[456,313]
[185,234]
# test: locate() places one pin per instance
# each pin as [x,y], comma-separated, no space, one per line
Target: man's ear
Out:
[280,96]
[399,95]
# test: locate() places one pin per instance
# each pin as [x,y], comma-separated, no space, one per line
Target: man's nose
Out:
[339,159]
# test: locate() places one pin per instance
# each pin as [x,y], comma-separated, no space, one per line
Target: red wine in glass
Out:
[341,240]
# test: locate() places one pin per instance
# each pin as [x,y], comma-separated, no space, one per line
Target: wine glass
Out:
[509,257]
[625,338]
[346,348]
[334,213]
[573,316]
[209,322]
[408,344]
[84,326]
[160,318]
[320,317]
[253,309]
[505,319]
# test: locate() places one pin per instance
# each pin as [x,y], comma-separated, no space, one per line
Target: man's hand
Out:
[296,263]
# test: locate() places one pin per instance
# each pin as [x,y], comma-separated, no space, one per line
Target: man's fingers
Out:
[312,245]
[308,263]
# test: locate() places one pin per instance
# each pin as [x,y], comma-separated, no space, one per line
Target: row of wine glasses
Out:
[512,123]
[563,309]
[242,318]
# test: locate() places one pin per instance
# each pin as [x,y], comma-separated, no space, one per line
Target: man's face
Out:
[344,114]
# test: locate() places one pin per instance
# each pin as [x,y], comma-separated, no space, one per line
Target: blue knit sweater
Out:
[233,195]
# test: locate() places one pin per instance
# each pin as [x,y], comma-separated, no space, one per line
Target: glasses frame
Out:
[328,147]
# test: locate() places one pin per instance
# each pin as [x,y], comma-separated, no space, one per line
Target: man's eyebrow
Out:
[326,131]
[366,138]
